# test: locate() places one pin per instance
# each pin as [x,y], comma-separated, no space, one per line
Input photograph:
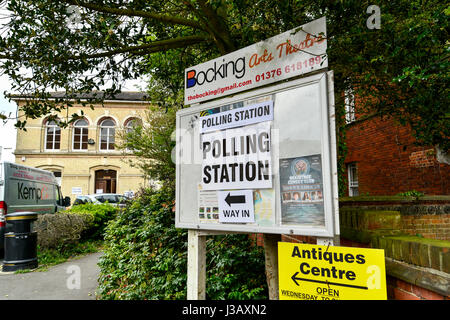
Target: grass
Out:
[51,257]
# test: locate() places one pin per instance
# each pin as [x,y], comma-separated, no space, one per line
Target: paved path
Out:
[73,280]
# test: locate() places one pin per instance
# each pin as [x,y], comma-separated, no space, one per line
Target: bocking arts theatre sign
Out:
[292,53]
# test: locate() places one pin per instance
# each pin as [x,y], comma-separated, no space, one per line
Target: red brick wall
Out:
[428,226]
[257,239]
[299,239]
[401,290]
[389,163]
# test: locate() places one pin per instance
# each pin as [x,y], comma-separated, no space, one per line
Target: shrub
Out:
[51,256]
[235,268]
[60,229]
[86,221]
[100,214]
[145,256]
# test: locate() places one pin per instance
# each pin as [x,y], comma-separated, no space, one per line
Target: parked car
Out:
[113,199]
[24,188]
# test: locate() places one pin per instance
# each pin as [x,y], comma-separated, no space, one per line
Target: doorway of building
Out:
[105,181]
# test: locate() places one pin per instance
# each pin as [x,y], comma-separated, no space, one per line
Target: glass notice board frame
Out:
[303,199]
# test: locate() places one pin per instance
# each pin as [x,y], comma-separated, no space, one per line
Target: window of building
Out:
[80,135]
[58,176]
[52,136]
[353,185]
[107,134]
[132,123]
[105,181]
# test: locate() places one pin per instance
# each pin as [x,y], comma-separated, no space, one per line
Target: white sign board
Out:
[129,193]
[288,163]
[77,190]
[237,117]
[290,54]
[237,158]
[236,206]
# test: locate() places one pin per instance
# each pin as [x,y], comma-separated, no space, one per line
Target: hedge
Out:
[145,256]
[86,221]
[59,229]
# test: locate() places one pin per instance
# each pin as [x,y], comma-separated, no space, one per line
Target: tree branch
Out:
[137,13]
[217,25]
[152,47]
[204,21]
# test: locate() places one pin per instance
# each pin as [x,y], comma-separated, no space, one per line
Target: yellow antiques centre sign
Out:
[313,272]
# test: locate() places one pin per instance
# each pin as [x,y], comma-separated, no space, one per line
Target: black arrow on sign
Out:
[294,278]
[234,199]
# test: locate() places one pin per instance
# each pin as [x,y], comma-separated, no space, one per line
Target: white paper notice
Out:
[237,158]
[236,206]
[77,190]
[208,206]
[237,117]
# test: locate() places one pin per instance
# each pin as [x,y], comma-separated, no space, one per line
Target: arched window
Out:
[131,123]
[52,135]
[80,135]
[107,134]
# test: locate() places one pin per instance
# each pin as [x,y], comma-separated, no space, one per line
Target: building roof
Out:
[121,96]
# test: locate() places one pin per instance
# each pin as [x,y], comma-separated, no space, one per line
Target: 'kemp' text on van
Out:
[30,193]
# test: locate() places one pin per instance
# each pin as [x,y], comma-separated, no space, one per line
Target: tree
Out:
[152,145]
[402,69]
[80,46]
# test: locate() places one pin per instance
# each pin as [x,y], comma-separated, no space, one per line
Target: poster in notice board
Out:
[301,191]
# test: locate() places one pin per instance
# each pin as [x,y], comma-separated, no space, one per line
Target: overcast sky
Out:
[7,130]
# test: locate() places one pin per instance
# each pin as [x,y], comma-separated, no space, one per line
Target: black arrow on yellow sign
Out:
[295,279]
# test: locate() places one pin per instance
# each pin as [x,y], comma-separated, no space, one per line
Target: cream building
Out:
[83,155]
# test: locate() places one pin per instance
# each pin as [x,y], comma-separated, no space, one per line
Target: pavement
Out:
[75,279]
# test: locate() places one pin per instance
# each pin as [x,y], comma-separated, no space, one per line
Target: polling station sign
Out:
[313,272]
[237,117]
[237,158]
[295,52]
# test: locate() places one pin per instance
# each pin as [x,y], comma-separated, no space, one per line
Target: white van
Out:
[25,188]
